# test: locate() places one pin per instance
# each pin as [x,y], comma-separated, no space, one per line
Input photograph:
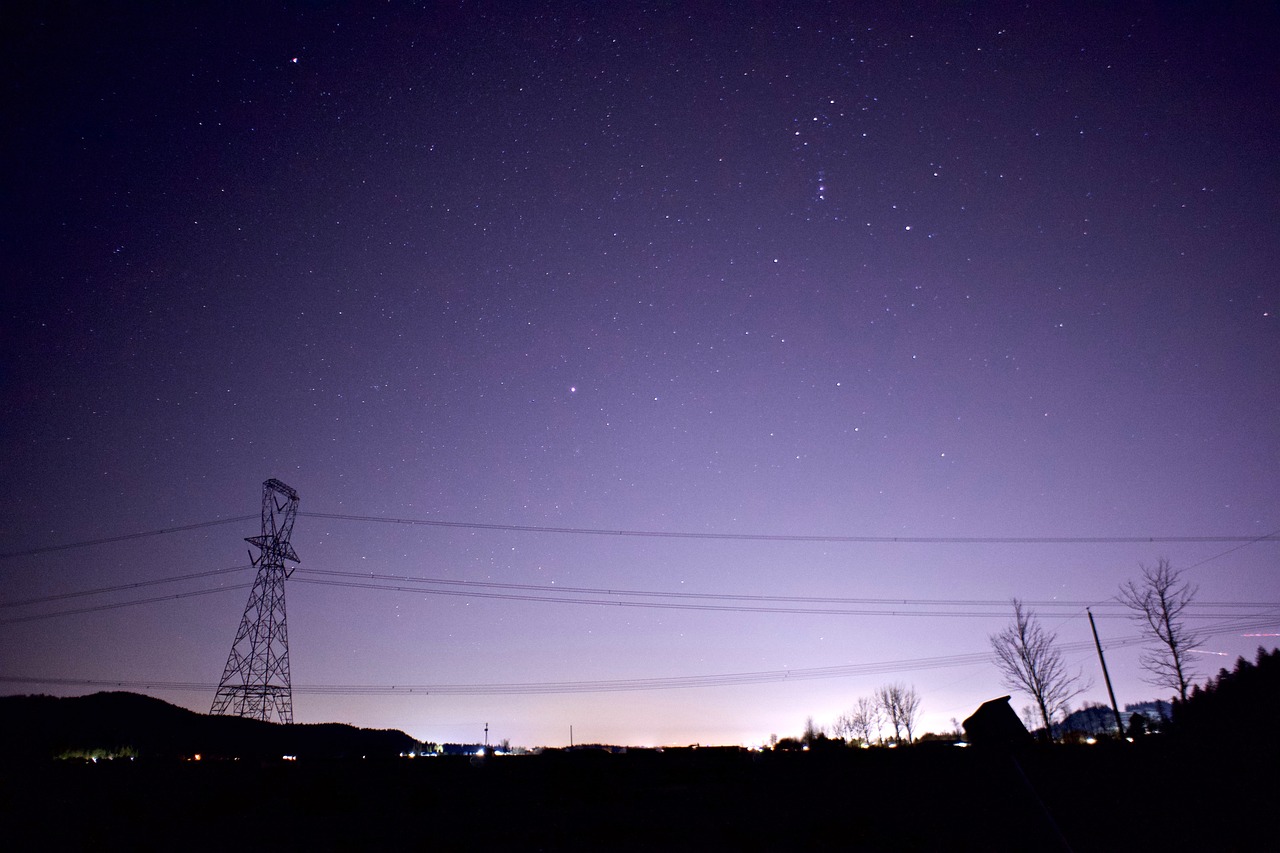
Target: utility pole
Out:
[1106,677]
[255,682]
[486,737]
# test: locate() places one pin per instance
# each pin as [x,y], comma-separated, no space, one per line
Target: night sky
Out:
[833,274]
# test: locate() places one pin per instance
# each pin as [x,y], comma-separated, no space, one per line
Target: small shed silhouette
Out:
[995,724]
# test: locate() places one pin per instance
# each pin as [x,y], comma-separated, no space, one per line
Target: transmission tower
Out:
[255,683]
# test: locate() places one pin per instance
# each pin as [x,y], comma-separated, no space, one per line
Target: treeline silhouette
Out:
[1242,704]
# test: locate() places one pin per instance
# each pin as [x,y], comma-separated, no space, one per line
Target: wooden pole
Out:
[1114,707]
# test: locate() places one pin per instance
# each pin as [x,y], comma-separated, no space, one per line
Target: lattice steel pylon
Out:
[255,683]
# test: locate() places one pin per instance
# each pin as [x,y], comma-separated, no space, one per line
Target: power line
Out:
[636,684]
[560,595]
[652,605]
[668,605]
[12,620]
[621,685]
[558,590]
[778,537]
[105,589]
[123,537]
[561,687]
[1261,620]
[1270,535]
[666,534]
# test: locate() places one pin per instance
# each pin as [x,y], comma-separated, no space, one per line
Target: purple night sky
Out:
[843,271]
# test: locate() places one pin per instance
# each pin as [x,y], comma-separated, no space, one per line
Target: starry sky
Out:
[798,280]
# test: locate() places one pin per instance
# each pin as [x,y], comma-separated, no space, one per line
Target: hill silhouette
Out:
[119,724]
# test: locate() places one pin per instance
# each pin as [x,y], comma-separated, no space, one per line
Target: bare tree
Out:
[909,710]
[1158,603]
[1028,658]
[867,718]
[902,708]
[885,702]
[844,727]
[811,732]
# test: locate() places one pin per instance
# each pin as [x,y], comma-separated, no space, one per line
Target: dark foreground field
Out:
[1141,797]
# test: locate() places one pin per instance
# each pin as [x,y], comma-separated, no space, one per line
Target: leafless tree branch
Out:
[1158,603]
[901,705]
[1029,660]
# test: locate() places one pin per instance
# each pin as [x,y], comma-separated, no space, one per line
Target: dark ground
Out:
[1107,797]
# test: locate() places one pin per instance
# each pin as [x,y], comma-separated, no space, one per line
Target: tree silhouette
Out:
[1237,702]
[1028,658]
[844,728]
[901,705]
[867,718]
[812,732]
[862,723]
[1158,602]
